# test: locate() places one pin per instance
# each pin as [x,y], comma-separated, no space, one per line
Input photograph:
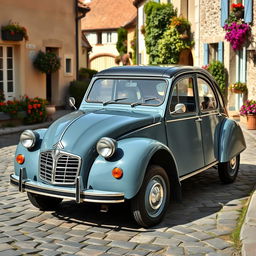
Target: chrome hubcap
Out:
[155,196]
[233,163]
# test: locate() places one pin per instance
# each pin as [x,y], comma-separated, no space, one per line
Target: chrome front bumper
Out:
[90,195]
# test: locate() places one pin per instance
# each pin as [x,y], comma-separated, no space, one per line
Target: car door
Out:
[183,129]
[210,118]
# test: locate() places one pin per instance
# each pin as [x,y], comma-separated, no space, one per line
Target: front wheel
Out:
[44,203]
[151,202]
[229,170]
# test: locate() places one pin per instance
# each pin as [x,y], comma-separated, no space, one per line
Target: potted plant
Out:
[237,31]
[181,24]
[14,32]
[238,87]
[248,109]
[238,10]
[47,62]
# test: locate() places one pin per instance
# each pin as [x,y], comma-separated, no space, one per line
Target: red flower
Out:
[41,113]
[34,106]
[12,33]
[38,105]
[29,111]
[30,106]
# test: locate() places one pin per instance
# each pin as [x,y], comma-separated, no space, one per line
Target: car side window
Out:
[207,98]
[183,92]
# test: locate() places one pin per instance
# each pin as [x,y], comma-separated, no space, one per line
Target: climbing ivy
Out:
[218,71]
[157,22]
[121,44]
[170,46]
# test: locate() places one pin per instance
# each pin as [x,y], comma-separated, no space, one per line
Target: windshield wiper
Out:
[145,100]
[113,101]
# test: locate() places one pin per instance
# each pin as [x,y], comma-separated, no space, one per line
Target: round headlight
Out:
[28,139]
[106,147]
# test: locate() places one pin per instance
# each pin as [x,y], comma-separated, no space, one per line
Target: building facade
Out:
[188,9]
[241,64]
[51,26]
[100,28]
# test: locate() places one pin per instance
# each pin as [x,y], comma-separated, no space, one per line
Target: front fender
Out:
[132,156]
[232,140]
[31,157]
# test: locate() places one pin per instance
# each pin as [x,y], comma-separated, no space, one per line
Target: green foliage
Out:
[47,62]
[171,45]
[85,73]
[157,22]
[34,109]
[121,44]
[217,69]
[77,90]
[134,48]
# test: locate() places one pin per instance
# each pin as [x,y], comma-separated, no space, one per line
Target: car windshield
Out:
[125,91]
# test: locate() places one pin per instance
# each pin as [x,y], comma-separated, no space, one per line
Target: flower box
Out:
[11,36]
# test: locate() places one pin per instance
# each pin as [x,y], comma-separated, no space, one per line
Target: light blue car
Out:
[138,133]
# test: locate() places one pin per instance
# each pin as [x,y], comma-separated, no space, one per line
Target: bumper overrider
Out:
[90,195]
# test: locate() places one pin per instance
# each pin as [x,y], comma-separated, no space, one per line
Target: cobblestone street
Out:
[200,225]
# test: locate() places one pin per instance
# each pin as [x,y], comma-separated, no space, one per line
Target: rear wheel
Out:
[44,203]
[151,202]
[229,170]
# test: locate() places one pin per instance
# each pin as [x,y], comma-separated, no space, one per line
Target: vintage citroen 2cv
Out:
[137,134]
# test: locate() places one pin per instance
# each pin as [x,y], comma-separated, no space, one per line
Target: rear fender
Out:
[232,140]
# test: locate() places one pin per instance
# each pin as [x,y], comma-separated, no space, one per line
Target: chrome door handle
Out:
[199,119]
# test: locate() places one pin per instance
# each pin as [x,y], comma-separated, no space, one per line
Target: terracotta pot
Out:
[239,14]
[50,110]
[251,122]
[236,91]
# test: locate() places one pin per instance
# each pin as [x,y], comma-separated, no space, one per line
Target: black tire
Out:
[150,204]
[229,170]
[44,203]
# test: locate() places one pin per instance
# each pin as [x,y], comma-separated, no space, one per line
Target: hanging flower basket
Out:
[237,34]
[47,62]
[11,36]
[238,87]
[14,32]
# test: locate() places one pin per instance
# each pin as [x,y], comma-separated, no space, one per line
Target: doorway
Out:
[52,80]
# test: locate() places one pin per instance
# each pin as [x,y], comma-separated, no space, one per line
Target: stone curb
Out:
[5,131]
[11,130]
[248,230]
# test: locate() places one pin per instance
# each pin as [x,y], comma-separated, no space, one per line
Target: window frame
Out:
[68,56]
[204,78]
[186,114]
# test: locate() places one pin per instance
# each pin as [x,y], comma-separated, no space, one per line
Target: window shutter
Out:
[206,54]
[224,11]
[220,51]
[248,11]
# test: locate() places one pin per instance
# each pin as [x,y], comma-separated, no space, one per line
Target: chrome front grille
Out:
[59,167]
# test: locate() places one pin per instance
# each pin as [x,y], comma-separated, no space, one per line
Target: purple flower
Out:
[237,34]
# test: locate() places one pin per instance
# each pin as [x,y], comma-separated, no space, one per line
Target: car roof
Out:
[153,71]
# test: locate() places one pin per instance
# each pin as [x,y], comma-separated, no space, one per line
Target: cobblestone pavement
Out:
[200,225]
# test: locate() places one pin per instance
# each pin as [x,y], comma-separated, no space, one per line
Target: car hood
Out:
[78,132]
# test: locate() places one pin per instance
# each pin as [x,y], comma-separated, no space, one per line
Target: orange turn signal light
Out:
[20,159]
[117,173]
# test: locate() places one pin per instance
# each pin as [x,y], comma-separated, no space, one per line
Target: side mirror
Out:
[72,102]
[179,109]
